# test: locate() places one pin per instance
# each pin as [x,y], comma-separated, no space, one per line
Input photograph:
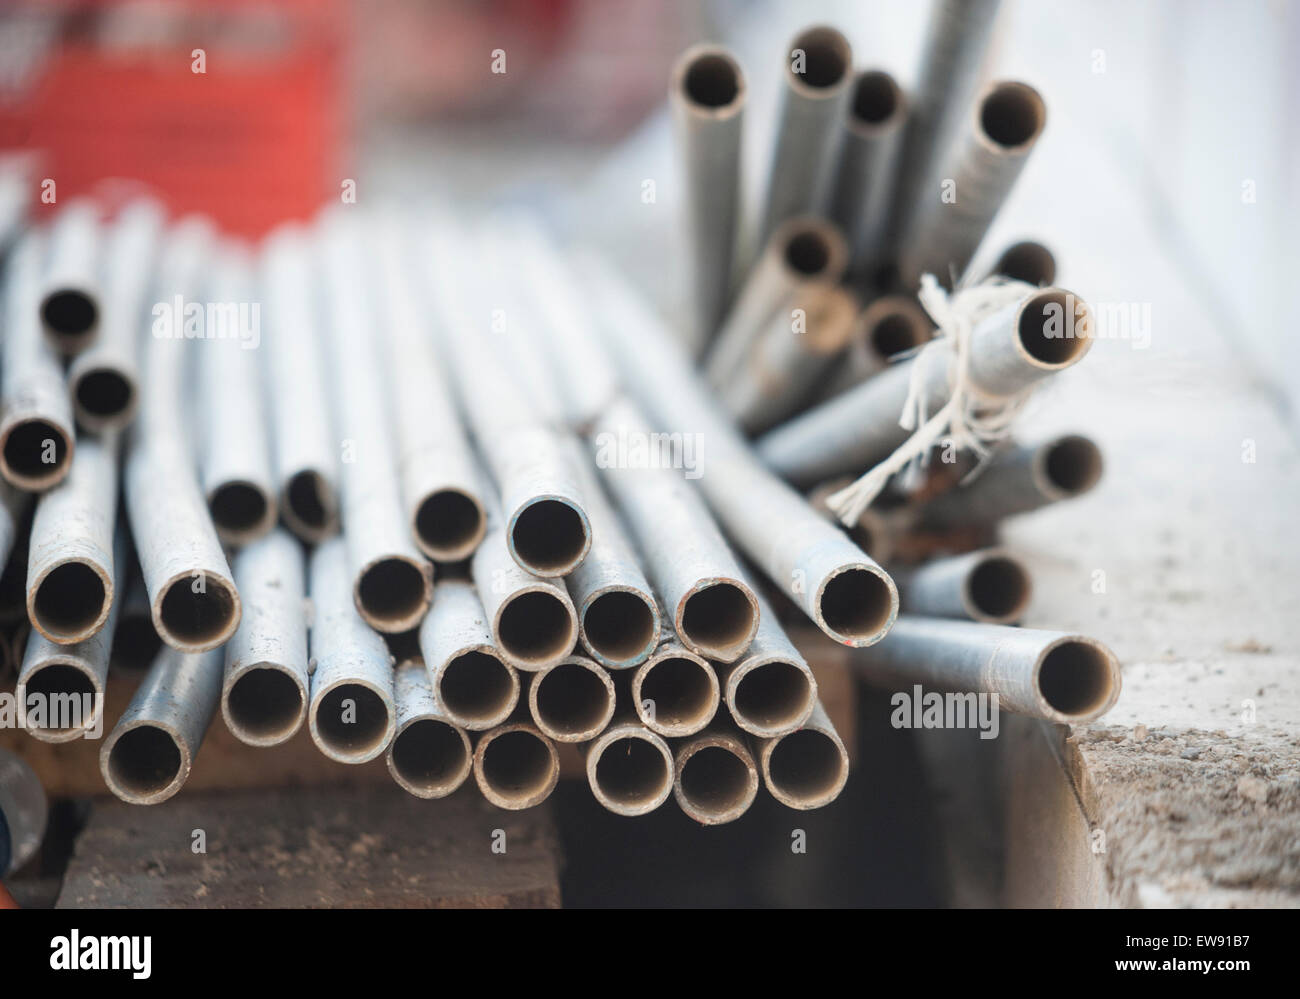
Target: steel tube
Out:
[818,73]
[771,690]
[430,755]
[471,683]
[104,380]
[351,715]
[891,325]
[70,573]
[990,585]
[516,766]
[629,768]
[70,304]
[1009,351]
[304,445]
[148,756]
[1001,132]
[875,531]
[266,684]
[135,639]
[707,94]
[392,581]
[715,779]
[675,692]
[1055,675]
[36,431]
[806,768]
[834,582]
[572,701]
[1027,261]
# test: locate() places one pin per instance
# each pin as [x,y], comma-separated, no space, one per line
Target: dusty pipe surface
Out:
[516,766]
[70,571]
[715,779]
[36,430]
[471,683]
[572,701]
[707,95]
[266,685]
[392,581]
[871,140]
[1001,132]
[692,567]
[675,692]
[1009,351]
[70,304]
[192,595]
[430,755]
[1019,479]
[1055,675]
[806,768]
[889,326]
[791,354]
[772,690]
[818,74]
[148,756]
[104,380]
[545,520]
[990,585]
[629,768]
[801,250]
[440,481]
[305,450]
[14,506]
[834,582]
[1027,261]
[956,37]
[351,715]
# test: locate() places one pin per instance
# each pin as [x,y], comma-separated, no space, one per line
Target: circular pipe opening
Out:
[309,502]
[894,333]
[620,626]
[876,98]
[518,767]
[549,536]
[265,705]
[357,730]
[683,695]
[774,695]
[1012,115]
[26,448]
[69,313]
[719,620]
[998,588]
[56,684]
[573,701]
[430,757]
[808,253]
[712,80]
[144,762]
[827,57]
[1075,679]
[478,689]
[69,602]
[1030,262]
[391,594]
[239,507]
[633,773]
[195,621]
[857,605]
[1054,327]
[104,393]
[716,784]
[448,524]
[806,767]
[535,627]
[1073,465]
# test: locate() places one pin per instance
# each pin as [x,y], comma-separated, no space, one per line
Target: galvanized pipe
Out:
[471,683]
[392,581]
[1027,261]
[70,305]
[707,94]
[806,768]
[1001,132]
[304,445]
[430,755]
[104,380]
[715,779]
[629,768]
[351,714]
[675,692]
[265,689]
[990,585]
[833,581]
[1055,675]
[572,701]
[36,431]
[875,532]
[818,74]
[771,690]
[149,754]
[1009,351]
[70,573]
[516,766]
[891,325]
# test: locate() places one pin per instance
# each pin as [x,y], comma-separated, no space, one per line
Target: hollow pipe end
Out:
[309,506]
[515,626]
[96,691]
[51,621]
[196,611]
[449,525]
[717,618]
[145,762]
[1076,680]
[856,604]
[410,746]
[624,629]
[600,690]
[709,82]
[769,696]
[684,715]
[264,703]
[103,397]
[360,749]
[624,793]
[469,687]
[242,511]
[805,769]
[392,593]
[722,784]
[23,439]
[548,536]
[512,784]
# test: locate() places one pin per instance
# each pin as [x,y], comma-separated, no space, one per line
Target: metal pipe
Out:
[1009,351]
[471,684]
[801,250]
[70,574]
[104,380]
[148,756]
[36,431]
[1027,261]
[891,325]
[806,768]
[135,639]
[629,768]
[871,141]
[990,585]
[440,480]
[351,715]
[1001,132]
[392,582]
[572,701]
[772,690]
[876,532]
[675,692]
[694,571]
[834,582]
[304,445]
[1055,675]
[707,94]
[818,73]
[1019,479]
[430,755]
[192,596]
[791,354]
[515,766]
[715,779]
[70,306]
[265,689]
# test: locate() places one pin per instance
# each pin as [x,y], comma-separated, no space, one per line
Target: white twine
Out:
[970,418]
